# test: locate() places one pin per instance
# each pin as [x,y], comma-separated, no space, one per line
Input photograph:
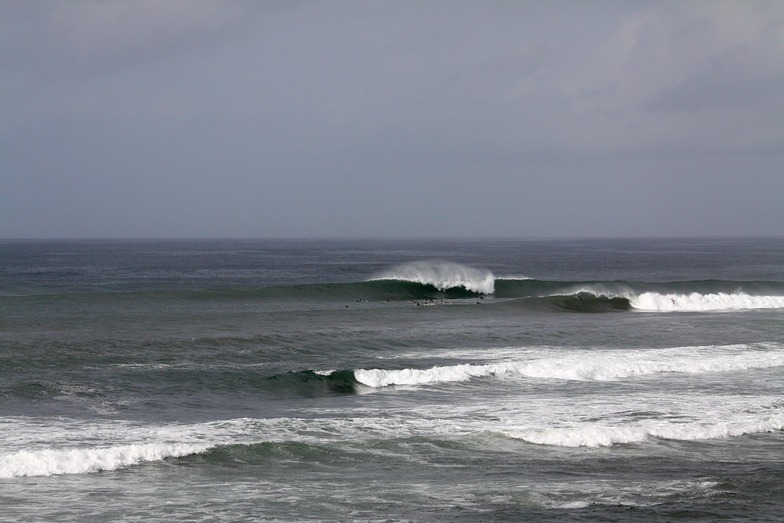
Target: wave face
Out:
[442,276]
[313,383]
[693,296]
[587,301]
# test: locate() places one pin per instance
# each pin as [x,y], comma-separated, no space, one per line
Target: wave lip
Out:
[51,462]
[442,276]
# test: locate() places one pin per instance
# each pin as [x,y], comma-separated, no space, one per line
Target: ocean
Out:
[396,380]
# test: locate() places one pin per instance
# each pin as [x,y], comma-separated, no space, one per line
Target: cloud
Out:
[415,113]
[100,36]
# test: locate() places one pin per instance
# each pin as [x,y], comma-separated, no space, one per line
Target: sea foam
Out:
[605,436]
[653,301]
[49,462]
[591,365]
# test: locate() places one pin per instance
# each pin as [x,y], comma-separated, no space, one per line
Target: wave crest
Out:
[604,436]
[51,462]
[442,275]
[654,301]
[592,366]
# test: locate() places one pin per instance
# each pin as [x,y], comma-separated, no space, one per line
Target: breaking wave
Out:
[432,280]
[587,301]
[605,436]
[442,276]
[652,297]
[592,365]
[51,462]
[652,301]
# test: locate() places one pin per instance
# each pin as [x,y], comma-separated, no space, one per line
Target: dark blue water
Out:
[232,380]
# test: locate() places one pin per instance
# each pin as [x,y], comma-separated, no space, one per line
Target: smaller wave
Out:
[51,462]
[653,301]
[603,436]
[587,299]
[377,378]
[442,276]
[262,453]
[586,302]
[591,366]
[314,383]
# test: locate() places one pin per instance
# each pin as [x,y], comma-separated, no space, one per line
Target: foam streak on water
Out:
[597,435]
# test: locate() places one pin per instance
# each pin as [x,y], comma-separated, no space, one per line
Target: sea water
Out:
[293,380]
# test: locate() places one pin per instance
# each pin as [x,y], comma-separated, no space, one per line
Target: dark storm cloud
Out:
[198,118]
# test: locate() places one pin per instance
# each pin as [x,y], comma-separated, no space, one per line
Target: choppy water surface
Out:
[392,380]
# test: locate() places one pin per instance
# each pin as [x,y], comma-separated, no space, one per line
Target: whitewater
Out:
[444,276]
[292,380]
[704,302]
[592,365]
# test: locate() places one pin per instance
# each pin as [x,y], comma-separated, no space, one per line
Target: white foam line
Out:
[652,301]
[605,436]
[591,366]
[49,462]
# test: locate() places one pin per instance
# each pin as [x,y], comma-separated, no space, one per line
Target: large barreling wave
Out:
[424,277]
[442,275]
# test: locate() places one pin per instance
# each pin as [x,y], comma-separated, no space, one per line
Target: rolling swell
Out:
[313,384]
[374,290]
[445,280]
[571,296]
[306,383]
[266,453]
[608,296]
[586,302]
[523,288]
[407,290]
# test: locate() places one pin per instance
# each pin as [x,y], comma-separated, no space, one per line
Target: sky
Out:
[391,119]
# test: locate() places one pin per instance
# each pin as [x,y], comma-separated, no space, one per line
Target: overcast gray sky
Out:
[195,118]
